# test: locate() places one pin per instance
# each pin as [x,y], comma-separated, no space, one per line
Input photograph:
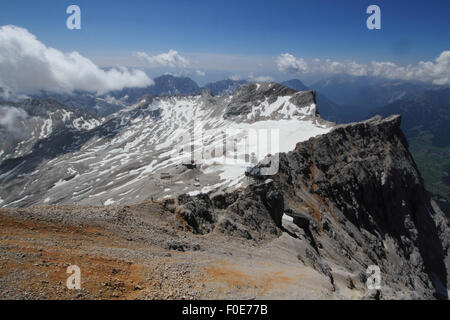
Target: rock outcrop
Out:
[253,94]
[253,213]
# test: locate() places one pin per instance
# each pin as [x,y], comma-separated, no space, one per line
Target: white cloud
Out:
[27,65]
[7,94]
[9,116]
[288,63]
[259,78]
[170,59]
[200,73]
[211,64]
[437,71]
[235,77]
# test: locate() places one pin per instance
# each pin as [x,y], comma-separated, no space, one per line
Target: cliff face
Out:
[357,200]
[365,197]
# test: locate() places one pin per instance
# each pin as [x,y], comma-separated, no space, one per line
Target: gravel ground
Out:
[143,252]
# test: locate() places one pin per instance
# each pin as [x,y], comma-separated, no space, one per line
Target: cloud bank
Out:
[288,63]
[28,66]
[437,71]
[9,117]
[171,59]
[253,78]
[200,73]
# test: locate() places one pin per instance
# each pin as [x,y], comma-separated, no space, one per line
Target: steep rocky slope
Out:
[123,158]
[360,201]
[366,197]
[341,202]
[25,124]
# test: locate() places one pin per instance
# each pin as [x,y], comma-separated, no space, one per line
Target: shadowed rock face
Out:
[253,213]
[366,196]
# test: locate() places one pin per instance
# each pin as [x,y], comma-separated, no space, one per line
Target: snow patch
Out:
[109,202]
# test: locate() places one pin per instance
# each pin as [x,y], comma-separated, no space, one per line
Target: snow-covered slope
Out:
[138,152]
[24,124]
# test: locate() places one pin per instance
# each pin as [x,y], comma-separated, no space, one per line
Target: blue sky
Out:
[248,30]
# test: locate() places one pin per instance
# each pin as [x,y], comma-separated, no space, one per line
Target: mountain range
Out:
[358,96]
[120,158]
[352,99]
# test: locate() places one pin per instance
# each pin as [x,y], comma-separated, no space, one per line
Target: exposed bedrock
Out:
[364,192]
[252,213]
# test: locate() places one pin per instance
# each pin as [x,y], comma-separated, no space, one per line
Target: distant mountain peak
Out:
[295,84]
[284,101]
[224,87]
